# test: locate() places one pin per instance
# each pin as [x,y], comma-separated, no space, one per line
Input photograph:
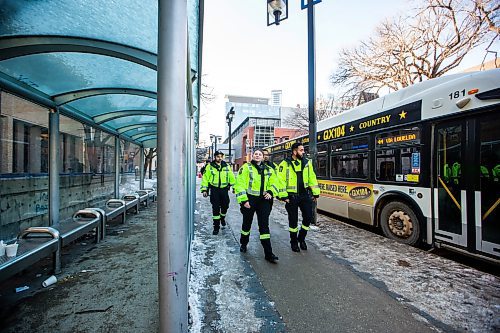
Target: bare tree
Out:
[408,50]
[207,95]
[149,155]
[299,117]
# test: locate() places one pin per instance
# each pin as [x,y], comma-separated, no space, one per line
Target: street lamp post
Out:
[276,8]
[214,138]
[229,119]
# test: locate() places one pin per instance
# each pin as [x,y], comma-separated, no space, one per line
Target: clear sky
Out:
[243,56]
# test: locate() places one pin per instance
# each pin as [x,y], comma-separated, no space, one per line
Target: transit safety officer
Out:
[300,189]
[217,179]
[268,161]
[274,166]
[256,185]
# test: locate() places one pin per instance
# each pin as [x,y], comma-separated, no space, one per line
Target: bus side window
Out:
[386,170]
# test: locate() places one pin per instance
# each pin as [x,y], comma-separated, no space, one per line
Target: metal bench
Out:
[143,197]
[83,221]
[112,209]
[151,193]
[132,201]
[35,243]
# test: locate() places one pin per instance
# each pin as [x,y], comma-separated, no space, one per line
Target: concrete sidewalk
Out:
[311,292]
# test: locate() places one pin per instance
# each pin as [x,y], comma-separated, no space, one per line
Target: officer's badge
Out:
[240,171]
[281,168]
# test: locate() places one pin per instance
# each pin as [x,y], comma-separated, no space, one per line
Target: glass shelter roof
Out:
[95,60]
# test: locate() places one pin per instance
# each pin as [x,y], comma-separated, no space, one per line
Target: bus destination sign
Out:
[397,116]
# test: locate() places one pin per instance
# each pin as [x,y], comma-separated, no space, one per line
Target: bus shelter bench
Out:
[151,193]
[115,208]
[35,243]
[83,221]
[143,197]
[132,201]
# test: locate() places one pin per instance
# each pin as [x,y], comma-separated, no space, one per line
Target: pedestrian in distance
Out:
[203,168]
[217,180]
[256,185]
[297,176]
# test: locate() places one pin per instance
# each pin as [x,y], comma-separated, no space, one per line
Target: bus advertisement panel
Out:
[361,193]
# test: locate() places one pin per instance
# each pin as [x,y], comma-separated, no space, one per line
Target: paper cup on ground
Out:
[50,281]
[11,250]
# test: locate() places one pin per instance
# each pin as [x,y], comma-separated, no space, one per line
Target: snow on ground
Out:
[220,283]
[131,185]
[459,296]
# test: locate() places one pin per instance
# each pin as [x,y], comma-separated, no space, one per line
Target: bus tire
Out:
[399,222]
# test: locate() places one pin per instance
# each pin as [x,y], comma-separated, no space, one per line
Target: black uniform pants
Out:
[304,202]
[219,198]
[262,207]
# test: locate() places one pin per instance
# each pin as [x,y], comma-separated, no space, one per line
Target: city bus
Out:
[422,163]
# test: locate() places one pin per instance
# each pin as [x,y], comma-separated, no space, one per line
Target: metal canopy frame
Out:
[102,118]
[18,46]
[75,95]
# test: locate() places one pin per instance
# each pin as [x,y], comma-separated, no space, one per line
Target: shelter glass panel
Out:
[56,73]
[98,105]
[87,166]
[108,20]
[129,168]
[23,166]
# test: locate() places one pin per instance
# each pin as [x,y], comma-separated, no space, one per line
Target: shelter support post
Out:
[117,167]
[54,167]
[172,158]
[141,168]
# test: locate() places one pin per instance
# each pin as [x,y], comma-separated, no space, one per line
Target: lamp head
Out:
[277,10]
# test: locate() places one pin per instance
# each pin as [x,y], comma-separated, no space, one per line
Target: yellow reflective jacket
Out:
[217,176]
[287,173]
[249,181]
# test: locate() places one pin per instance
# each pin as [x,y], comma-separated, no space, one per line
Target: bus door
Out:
[450,195]
[467,186]
[487,193]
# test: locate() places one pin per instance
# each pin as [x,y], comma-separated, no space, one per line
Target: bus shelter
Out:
[85,88]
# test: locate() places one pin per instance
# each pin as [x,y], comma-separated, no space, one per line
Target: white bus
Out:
[422,163]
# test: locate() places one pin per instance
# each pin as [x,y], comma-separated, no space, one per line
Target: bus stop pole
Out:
[54,167]
[311,69]
[172,196]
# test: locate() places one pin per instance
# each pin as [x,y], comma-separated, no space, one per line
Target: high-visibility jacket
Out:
[495,172]
[217,176]
[249,182]
[287,173]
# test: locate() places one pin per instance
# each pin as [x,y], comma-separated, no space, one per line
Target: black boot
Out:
[243,248]
[216,227]
[295,246]
[223,221]
[302,239]
[268,251]
[272,259]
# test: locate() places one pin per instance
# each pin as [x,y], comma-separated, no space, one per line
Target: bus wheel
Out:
[399,222]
